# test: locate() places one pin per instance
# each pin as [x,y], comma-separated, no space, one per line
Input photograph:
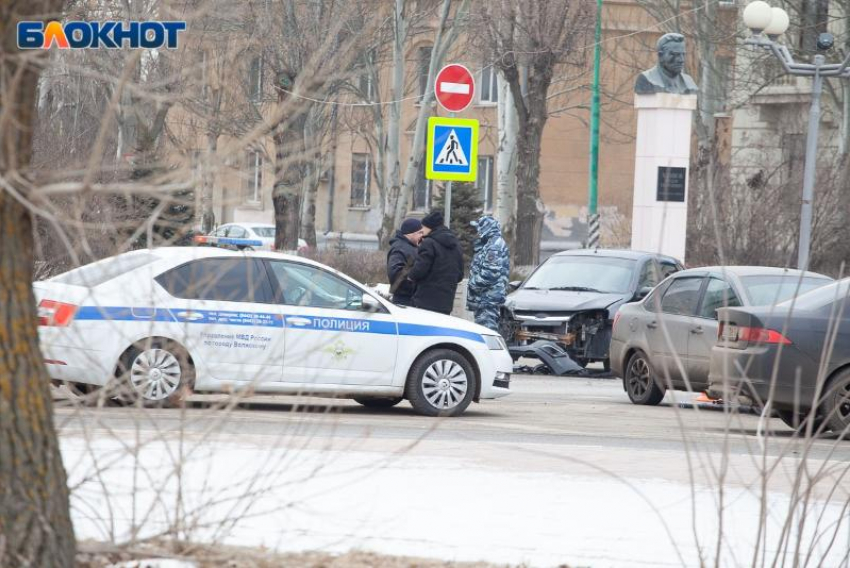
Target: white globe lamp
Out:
[778,23]
[757,16]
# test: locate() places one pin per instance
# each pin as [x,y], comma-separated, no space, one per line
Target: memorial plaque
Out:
[671,184]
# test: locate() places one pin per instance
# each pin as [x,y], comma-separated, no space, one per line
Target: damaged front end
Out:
[584,335]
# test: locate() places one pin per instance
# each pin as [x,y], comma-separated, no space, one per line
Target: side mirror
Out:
[644,292]
[370,304]
[514,286]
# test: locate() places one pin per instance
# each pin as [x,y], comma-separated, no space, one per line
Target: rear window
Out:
[769,290]
[264,232]
[102,271]
[218,279]
[823,296]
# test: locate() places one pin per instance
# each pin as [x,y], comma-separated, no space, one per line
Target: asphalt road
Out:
[575,425]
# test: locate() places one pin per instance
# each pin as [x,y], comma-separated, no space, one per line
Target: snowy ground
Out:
[397,496]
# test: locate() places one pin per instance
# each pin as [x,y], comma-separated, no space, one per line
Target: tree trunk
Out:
[208,185]
[529,217]
[286,195]
[506,163]
[392,179]
[313,168]
[35,522]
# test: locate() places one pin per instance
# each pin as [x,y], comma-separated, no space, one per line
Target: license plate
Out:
[729,333]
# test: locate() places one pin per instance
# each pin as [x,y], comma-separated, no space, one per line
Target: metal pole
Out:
[809,170]
[593,170]
[447,217]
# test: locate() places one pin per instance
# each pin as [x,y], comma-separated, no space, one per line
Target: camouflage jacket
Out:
[491,266]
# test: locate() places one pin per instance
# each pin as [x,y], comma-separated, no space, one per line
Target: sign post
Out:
[454,89]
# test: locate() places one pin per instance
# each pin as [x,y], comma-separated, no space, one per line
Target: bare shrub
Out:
[367,266]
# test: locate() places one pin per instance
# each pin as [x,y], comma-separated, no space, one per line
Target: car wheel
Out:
[441,383]
[640,382]
[836,404]
[797,421]
[373,402]
[247,249]
[155,373]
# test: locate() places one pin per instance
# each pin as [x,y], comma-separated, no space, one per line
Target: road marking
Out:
[455,88]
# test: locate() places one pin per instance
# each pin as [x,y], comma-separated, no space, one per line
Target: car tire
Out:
[375,402]
[154,373]
[798,421]
[441,383]
[640,382]
[835,407]
[247,249]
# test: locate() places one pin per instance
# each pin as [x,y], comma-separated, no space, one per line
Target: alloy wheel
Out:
[639,377]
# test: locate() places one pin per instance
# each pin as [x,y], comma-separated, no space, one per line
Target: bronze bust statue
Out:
[667,76]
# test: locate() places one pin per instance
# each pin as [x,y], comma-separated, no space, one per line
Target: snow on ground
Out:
[293,499]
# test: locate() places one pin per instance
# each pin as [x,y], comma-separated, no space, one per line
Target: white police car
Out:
[243,236]
[161,323]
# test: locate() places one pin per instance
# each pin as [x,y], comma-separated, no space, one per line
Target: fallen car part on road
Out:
[551,355]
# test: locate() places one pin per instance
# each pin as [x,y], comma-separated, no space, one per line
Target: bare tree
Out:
[529,42]
[35,524]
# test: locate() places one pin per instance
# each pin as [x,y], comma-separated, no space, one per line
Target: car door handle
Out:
[697,330]
[298,321]
[652,325]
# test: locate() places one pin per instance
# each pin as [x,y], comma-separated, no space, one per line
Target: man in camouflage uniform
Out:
[489,273]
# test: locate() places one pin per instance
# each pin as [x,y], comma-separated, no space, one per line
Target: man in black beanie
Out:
[438,268]
[400,260]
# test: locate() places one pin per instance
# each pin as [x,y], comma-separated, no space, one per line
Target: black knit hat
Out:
[433,219]
[410,226]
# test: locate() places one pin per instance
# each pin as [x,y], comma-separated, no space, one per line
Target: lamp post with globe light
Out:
[767,24]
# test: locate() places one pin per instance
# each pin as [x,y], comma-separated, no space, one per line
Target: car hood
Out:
[561,300]
[415,316]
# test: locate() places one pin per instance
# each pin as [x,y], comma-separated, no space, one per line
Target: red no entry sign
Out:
[454,87]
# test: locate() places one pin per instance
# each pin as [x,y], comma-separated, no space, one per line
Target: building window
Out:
[367,86]
[361,178]
[422,191]
[484,181]
[489,90]
[366,79]
[254,185]
[424,63]
[255,79]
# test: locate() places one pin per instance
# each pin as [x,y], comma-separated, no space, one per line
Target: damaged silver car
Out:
[572,297]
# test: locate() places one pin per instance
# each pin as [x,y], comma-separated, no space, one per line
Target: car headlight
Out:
[495,342]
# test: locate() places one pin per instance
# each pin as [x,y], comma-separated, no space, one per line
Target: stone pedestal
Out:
[662,157]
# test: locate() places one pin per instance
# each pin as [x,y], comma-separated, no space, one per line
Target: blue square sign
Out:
[452,149]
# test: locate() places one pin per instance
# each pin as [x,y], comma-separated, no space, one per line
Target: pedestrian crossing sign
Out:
[452,149]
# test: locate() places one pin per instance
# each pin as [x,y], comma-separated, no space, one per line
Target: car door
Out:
[330,337]
[719,293]
[669,330]
[224,309]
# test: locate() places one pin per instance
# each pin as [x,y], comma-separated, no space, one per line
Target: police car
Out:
[154,325]
[243,236]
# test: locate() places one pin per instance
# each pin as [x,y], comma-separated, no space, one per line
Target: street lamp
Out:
[766,25]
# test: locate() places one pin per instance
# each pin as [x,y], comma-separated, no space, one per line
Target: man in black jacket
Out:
[438,268]
[400,260]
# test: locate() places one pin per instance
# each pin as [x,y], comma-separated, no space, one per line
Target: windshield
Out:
[264,232]
[768,290]
[583,274]
[822,297]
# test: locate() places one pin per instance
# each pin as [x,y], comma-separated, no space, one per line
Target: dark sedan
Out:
[665,341]
[571,298]
[795,355]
